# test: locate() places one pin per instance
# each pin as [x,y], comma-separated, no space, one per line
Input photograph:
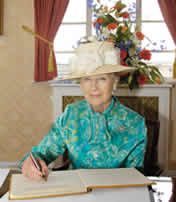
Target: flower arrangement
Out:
[115,25]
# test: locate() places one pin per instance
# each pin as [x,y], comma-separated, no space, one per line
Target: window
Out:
[77,23]
[153,25]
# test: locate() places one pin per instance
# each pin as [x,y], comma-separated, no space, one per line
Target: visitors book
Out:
[61,183]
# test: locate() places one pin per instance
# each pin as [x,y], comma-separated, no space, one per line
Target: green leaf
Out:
[150,81]
[142,71]
[130,78]
[112,36]
[121,4]
[157,73]
[112,19]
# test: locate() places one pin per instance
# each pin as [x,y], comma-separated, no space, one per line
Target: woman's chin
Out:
[96,103]
[95,100]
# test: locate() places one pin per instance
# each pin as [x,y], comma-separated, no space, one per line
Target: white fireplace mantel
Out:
[162,91]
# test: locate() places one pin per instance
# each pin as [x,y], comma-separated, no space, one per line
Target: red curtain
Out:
[168,9]
[48,15]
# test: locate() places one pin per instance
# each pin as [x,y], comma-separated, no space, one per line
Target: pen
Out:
[37,165]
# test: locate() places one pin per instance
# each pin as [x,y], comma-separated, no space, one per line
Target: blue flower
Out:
[130,9]
[101,39]
[134,5]
[128,43]
[121,44]
[154,51]
[139,49]
[97,26]
[89,3]
[162,47]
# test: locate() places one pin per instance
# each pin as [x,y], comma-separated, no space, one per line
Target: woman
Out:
[98,132]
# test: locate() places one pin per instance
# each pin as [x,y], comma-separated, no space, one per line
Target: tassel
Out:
[174,67]
[50,61]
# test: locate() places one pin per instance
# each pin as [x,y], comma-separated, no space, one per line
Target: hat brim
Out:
[105,69]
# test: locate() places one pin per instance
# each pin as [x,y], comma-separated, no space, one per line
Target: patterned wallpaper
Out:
[25,107]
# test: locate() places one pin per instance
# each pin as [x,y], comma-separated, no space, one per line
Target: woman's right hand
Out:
[29,170]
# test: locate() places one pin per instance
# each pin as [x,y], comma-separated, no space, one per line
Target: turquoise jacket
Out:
[112,139]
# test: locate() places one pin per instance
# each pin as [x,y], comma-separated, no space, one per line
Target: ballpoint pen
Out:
[37,165]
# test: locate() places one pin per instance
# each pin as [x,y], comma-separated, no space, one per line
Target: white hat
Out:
[95,58]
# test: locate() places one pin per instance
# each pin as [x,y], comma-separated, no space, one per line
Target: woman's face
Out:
[98,90]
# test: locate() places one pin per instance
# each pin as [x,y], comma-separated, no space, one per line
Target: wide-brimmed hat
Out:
[95,58]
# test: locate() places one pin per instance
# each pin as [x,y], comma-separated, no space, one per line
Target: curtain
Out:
[168,9]
[48,15]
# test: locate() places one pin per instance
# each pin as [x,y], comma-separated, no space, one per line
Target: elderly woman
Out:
[98,132]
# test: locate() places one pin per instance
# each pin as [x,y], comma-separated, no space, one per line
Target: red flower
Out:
[110,40]
[112,26]
[126,15]
[94,23]
[99,20]
[123,54]
[123,63]
[117,7]
[139,35]
[123,73]
[145,54]
[142,79]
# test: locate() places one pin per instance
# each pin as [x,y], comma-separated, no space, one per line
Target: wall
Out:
[25,107]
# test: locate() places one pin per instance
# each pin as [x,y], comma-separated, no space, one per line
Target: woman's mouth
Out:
[95,95]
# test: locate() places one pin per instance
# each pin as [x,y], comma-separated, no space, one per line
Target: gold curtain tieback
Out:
[50,59]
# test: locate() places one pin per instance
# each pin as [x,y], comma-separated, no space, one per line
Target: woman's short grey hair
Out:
[116,79]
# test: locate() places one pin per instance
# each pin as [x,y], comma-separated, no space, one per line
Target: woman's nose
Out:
[94,85]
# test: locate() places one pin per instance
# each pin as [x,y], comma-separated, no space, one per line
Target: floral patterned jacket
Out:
[114,138]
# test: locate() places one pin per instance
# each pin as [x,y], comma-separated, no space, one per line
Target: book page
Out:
[115,177]
[58,183]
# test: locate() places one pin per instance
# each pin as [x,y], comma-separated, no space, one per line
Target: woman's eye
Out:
[86,79]
[102,79]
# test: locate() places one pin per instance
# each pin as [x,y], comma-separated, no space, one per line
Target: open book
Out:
[75,182]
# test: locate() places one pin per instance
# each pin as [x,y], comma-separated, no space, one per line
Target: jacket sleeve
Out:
[136,156]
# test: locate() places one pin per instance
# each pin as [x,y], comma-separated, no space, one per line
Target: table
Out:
[162,190]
